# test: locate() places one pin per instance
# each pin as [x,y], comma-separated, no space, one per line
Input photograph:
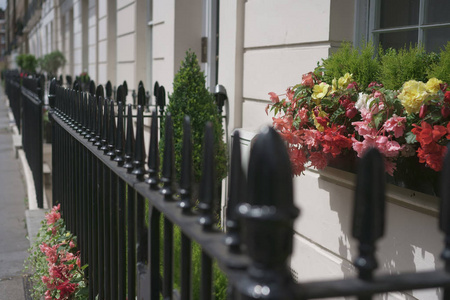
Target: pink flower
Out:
[363,128]
[307,80]
[395,124]
[274,97]
[390,166]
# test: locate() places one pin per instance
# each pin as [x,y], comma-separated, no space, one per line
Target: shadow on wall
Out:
[412,241]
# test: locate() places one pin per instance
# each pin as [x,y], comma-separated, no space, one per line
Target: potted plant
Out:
[51,62]
[334,113]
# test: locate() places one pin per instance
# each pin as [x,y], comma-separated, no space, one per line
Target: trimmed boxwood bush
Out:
[190,97]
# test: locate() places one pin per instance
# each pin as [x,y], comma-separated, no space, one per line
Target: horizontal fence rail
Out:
[124,205]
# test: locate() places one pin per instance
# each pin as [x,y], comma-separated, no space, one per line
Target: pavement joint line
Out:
[8,278]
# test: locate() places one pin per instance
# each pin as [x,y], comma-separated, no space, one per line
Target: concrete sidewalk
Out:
[13,231]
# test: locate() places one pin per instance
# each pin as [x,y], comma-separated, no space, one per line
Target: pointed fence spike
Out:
[168,168]
[368,213]
[186,168]
[105,126]
[129,144]
[99,92]
[444,215]
[153,159]
[120,96]
[93,119]
[268,217]
[141,95]
[207,191]
[108,89]
[139,153]
[111,131]
[155,92]
[87,115]
[125,88]
[161,99]
[120,136]
[92,87]
[236,195]
[98,132]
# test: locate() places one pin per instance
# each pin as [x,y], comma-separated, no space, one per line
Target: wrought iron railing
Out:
[109,187]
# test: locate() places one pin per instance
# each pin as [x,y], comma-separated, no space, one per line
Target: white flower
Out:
[364,101]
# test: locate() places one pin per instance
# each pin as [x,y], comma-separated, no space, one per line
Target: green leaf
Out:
[410,138]
[377,119]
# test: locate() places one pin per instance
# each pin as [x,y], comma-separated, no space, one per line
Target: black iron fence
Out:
[12,90]
[115,198]
[32,125]
[26,101]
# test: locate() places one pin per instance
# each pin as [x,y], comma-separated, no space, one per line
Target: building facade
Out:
[254,47]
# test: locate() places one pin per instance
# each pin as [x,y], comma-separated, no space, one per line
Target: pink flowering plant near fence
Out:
[323,120]
[55,262]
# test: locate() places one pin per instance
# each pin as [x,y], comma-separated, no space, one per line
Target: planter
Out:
[410,174]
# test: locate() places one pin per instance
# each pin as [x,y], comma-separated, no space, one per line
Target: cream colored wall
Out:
[163,42]
[267,45]
[92,40]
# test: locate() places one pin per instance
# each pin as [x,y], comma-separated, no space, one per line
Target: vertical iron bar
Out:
[131,219]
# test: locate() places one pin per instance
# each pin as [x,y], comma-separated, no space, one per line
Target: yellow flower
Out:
[333,85]
[433,85]
[343,82]
[320,114]
[413,95]
[320,91]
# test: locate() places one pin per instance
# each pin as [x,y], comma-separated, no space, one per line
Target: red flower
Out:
[423,111]
[298,160]
[318,160]
[447,97]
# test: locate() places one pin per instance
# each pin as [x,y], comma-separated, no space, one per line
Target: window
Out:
[403,22]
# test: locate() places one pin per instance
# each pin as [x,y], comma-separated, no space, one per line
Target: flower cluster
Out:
[322,120]
[55,262]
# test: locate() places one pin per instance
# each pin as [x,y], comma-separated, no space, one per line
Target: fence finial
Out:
[120,96]
[92,87]
[161,99]
[92,118]
[267,219]
[109,90]
[207,193]
[111,131]
[141,95]
[236,194]
[139,153]
[368,213]
[153,157]
[186,168]
[168,169]
[129,146]
[120,137]
[104,146]
[98,132]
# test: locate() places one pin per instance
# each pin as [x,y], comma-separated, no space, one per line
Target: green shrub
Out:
[220,281]
[190,97]
[27,62]
[52,61]
[362,63]
[399,66]
[441,69]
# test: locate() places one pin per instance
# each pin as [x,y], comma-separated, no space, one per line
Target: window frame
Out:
[367,17]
